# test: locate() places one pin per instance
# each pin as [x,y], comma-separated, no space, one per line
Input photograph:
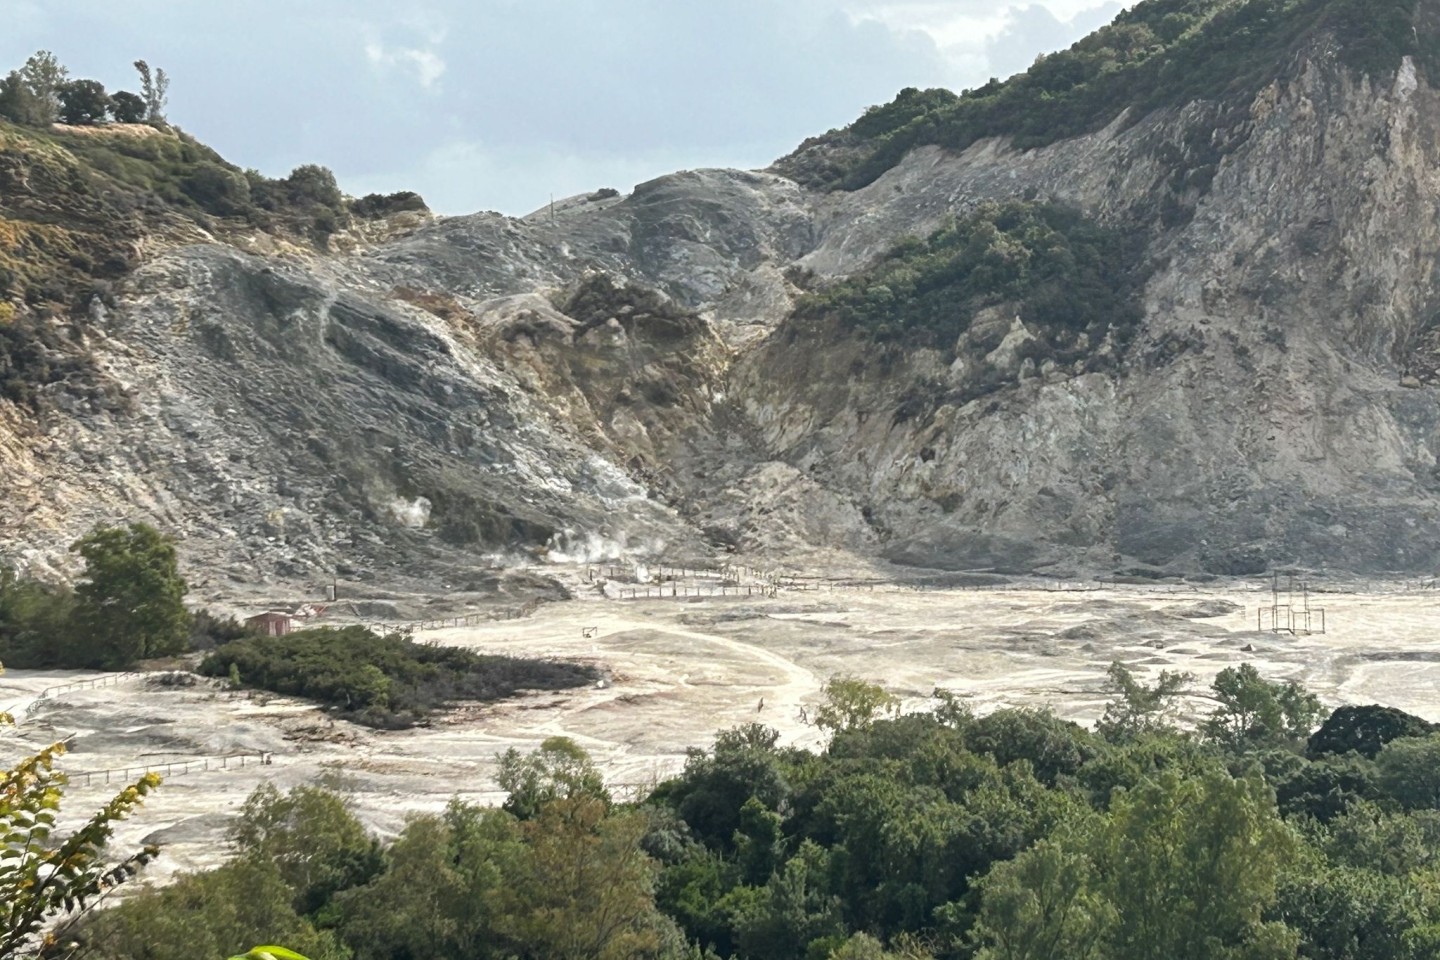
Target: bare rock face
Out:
[1259,417]
[462,390]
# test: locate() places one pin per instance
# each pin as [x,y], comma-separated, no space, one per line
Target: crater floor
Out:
[679,670]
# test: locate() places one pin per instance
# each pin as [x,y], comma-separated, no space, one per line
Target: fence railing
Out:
[171,768]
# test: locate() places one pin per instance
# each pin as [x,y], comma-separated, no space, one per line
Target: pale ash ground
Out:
[682,670]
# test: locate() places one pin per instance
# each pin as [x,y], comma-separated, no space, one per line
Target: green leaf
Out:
[269,953]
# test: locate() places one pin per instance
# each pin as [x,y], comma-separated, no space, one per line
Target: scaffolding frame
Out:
[1296,619]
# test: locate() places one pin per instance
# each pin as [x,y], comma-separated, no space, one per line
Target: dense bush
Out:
[387,681]
[128,606]
[374,205]
[1159,53]
[1063,273]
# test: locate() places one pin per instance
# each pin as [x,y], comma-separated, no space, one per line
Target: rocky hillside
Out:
[1174,313]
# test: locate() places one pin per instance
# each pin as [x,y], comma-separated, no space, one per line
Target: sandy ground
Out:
[680,670]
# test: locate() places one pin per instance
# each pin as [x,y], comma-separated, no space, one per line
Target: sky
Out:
[498,104]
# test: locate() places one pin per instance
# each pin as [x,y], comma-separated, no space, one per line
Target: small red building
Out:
[271,623]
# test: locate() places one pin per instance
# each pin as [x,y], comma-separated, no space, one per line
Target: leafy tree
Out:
[1190,865]
[313,184]
[1043,905]
[42,876]
[560,769]
[127,107]
[1255,712]
[130,605]
[1365,730]
[1138,710]
[155,89]
[35,629]
[314,841]
[1326,788]
[790,912]
[851,703]
[83,102]
[1369,837]
[1410,771]
[1181,868]
[16,102]
[42,78]
[216,913]
[443,892]
[585,891]
[1343,913]
[714,786]
[217,189]
[1053,747]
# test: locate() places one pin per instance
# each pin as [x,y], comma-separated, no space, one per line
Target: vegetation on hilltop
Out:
[383,681]
[80,199]
[940,834]
[1159,53]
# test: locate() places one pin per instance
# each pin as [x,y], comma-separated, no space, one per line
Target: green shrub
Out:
[1064,273]
[384,681]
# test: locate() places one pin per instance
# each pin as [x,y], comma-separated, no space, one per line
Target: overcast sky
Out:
[496,104]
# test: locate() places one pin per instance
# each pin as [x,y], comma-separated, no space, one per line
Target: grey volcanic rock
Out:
[422,402]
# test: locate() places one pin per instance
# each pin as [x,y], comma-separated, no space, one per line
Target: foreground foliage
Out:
[1012,836]
[385,681]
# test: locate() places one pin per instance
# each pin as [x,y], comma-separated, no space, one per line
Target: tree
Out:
[851,704]
[35,627]
[1182,868]
[42,76]
[127,107]
[1410,771]
[312,184]
[709,794]
[313,840]
[1365,730]
[1190,866]
[41,876]
[443,891]
[1043,905]
[212,914]
[130,605]
[1138,710]
[83,102]
[16,103]
[560,769]
[1255,712]
[154,88]
[585,891]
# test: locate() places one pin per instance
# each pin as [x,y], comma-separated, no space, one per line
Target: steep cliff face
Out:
[631,374]
[1271,408]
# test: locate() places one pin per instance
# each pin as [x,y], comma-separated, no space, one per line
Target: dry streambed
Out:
[681,670]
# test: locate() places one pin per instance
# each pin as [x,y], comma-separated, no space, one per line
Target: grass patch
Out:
[390,681]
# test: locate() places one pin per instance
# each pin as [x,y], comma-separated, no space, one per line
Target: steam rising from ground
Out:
[412,514]
[572,547]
